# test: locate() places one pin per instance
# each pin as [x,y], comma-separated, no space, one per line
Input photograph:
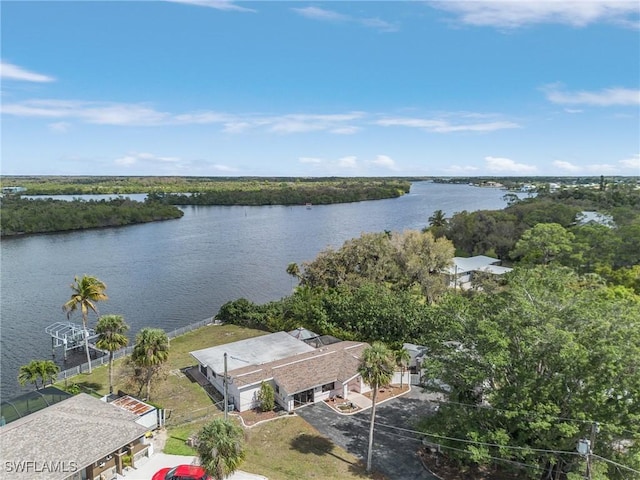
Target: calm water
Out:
[170,274]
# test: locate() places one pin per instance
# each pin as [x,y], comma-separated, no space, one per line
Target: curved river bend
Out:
[173,273]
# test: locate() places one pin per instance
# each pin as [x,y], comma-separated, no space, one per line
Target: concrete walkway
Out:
[359,400]
[160,460]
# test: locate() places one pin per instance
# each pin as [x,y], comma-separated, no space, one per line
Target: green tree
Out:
[111,330]
[266,397]
[402,358]
[150,353]
[85,292]
[543,244]
[376,369]
[546,356]
[221,448]
[38,370]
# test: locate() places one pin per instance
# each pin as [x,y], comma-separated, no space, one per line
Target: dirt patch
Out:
[387,392]
[251,417]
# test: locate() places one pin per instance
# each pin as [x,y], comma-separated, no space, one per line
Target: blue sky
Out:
[221,88]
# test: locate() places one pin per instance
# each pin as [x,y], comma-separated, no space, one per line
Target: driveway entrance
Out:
[394,452]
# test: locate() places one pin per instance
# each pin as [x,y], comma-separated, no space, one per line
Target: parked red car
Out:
[181,472]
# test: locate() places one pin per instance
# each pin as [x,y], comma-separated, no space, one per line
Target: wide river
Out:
[173,273]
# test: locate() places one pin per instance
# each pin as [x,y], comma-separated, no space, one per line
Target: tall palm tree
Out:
[221,448]
[86,291]
[111,330]
[376,369]
[150,352]
[402,358]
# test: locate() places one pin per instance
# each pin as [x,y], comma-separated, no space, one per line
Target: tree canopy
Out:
[529,369]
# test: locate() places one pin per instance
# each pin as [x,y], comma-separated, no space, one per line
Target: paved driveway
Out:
[394,452]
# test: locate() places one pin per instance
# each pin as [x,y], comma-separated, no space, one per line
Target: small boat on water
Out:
[308,205]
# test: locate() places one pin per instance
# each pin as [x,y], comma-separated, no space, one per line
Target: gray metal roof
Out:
[252,351]
[471,264]
[69,435]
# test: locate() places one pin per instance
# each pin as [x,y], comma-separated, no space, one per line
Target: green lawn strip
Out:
[290,448]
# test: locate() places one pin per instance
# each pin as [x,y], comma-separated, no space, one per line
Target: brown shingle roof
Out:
[336,362]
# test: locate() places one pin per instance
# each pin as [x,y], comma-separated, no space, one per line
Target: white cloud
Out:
[632,162]
[311,160]
[513,14]
[317,13]
[573,110]
[59,127]
[296,123]
[386,162]
[601,168]
[224,5]
[566,166]
[460,169]
[445,126]
[322,14]
[9,71]
[91,112]
[123,114]
[604,98]
[348,162]
[378,24]
[144,157]
[506,165]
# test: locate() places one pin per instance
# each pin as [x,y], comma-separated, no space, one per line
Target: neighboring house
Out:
[585,218]
[298,373]
[80,438]
[147,414]
[463,268]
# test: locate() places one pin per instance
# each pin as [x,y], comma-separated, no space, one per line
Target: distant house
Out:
[597,218]
[79,438]
[463,268]
[299,373]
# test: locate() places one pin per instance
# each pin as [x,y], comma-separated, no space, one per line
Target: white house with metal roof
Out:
[298,373]
[462,269]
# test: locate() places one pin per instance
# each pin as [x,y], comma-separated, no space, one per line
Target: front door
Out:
[302,398]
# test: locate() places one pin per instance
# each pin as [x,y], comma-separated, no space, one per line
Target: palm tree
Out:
[111,330]
[44,370]
[376,369]
[150,352]
[402,358]
[437,219]
[86,291]
[29,373]
[221,448]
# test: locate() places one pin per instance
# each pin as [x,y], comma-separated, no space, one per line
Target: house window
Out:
[328,387]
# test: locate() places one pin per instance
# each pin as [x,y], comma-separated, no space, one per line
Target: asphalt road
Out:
[394,451]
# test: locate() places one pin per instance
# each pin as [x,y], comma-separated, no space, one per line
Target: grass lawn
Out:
[284,449]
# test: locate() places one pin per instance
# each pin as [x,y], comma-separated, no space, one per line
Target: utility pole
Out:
[226,403]
[592,442]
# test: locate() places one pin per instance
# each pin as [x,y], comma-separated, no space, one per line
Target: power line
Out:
[619,465]
[475,442]
[529,412]
[513,447]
